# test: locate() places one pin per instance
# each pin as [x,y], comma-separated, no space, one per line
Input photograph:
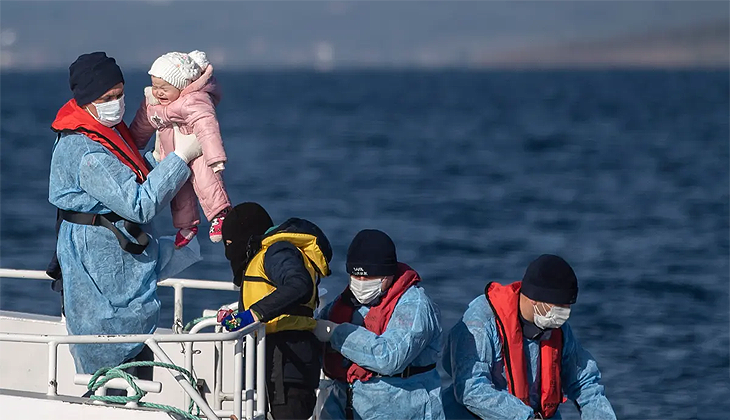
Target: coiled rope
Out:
[104,375]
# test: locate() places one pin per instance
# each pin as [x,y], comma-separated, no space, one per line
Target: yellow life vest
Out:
[256,285]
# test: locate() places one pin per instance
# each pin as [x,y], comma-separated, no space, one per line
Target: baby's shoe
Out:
[184,236]
[216,226]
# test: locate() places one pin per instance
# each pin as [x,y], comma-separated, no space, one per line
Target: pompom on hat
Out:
[180,69]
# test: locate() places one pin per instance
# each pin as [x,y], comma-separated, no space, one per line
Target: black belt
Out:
[349,410]
[108,220]
[408,372]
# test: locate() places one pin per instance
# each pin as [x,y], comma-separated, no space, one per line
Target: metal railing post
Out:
[189,354]
[52,368]
[218,375]
[188,367]
[261,371]
[177,323]
[250,349]
[238,379]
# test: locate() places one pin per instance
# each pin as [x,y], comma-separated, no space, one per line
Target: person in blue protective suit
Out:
[278,269]
[383,336]
[104,192]
[513,356]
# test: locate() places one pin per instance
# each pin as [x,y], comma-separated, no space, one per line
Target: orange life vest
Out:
[505,303]
[73,118]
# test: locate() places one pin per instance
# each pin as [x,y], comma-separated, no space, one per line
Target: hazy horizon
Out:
[370,34]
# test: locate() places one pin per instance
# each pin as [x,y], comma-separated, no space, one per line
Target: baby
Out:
[183,96]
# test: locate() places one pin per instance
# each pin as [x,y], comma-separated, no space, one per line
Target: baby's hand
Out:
[217,167]
[151,100]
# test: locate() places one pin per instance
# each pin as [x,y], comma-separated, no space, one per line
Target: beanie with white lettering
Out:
[179,69]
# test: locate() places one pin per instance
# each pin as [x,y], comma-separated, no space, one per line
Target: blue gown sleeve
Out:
[472,355]
[409,331]
[581,380]
[150,160]
[114,185]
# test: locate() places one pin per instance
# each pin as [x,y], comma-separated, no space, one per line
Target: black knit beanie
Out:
[550,279]
[372,254]
[92,75]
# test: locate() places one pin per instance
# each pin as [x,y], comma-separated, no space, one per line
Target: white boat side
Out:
[37,373]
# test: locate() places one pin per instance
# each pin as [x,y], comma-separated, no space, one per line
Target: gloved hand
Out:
[222,313]
[157,152]
[234,321]
[324,329]
[186,145]
[150,97]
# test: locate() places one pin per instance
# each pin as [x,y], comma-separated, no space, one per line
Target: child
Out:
[184,93]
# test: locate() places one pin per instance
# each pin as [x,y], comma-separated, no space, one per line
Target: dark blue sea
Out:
[473,174]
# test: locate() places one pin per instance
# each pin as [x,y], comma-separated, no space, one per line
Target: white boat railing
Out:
[178,285]
[255,345]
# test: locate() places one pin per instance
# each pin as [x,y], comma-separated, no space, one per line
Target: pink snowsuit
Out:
[193,111]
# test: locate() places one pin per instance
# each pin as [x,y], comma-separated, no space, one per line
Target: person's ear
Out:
[388,282]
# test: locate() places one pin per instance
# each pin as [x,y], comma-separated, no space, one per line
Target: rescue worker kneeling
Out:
[384,338]
[278,269]
[512,355]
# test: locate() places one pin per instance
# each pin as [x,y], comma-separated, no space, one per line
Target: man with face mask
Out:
[104,190]
[384,338]
[278,269]
[513,356]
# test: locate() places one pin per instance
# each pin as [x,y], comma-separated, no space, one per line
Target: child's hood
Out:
[205,83]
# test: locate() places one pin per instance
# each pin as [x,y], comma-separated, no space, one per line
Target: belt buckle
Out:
[94,219]
[404,374]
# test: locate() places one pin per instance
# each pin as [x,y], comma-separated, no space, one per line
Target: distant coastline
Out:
[698,45]
[701,46]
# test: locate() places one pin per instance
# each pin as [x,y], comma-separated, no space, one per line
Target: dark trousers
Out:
[142,372]
[293,363]
[298,403]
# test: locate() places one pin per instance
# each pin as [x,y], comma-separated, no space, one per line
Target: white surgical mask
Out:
[110,113]
[554,318]
[366,291]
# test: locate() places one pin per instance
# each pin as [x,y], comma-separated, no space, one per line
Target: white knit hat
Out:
[179,69]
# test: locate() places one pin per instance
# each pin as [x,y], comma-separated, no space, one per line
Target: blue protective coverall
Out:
[412,337]
[108,290]
[474,359]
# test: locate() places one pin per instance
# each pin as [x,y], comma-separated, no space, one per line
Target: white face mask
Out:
[110,113]
[554,318]
[366,291]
